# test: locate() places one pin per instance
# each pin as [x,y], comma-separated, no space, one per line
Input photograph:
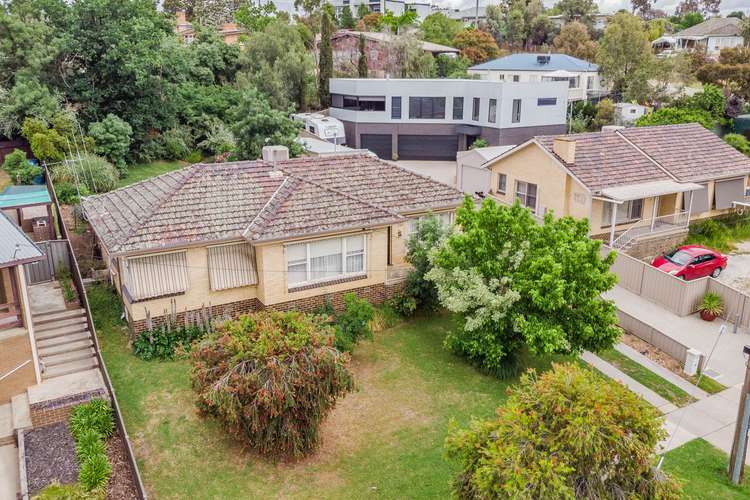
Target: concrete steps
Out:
[64,343]
[14,416]
[7,435]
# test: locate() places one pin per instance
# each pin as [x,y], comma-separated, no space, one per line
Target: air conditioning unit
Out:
[543,59]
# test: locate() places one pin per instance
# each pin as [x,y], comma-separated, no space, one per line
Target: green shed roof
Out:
[23,196]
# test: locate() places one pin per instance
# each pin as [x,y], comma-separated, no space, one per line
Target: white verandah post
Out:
[612,226]
[653,212]
[690,208]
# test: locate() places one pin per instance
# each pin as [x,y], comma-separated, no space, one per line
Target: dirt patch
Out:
[122,482]
[50,457]
[654,354]
[82,240]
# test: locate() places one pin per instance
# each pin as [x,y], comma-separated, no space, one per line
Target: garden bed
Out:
[121,483]
[50,457]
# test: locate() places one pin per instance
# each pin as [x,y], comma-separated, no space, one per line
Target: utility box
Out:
[692,362]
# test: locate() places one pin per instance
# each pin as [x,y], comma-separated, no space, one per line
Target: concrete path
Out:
[664,373]
[46,297]
[614,373]
[9,480]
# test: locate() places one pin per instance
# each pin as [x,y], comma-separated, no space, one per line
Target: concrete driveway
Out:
[441,171]
[737,273]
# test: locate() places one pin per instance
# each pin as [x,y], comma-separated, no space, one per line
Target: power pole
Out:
[739,445]
[476,17]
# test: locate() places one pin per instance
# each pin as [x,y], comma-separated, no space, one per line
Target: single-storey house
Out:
[19,365]
[709,37]
[630,183]
[274,233]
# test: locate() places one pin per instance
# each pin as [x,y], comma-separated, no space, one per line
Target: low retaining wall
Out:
[58,410]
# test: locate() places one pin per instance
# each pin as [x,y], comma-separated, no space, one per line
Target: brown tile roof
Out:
[605,159]
[716,26]
[211,202]
[689,151]
[686,152]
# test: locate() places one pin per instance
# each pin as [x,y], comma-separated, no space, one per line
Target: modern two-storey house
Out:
[433,119]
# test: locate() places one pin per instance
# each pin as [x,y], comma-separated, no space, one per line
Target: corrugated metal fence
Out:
[56,259]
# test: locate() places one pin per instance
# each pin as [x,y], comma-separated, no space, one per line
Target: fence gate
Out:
[56,259]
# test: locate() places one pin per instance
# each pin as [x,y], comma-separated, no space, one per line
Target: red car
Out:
[690,262]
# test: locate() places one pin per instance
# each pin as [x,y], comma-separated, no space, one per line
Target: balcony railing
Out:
[647,227]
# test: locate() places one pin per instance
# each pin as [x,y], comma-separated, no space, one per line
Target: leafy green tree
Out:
[396,23]
[112,136]
[428,236]
[231,376]
[91,173]
[213,12]
[255,124]
[578,10]
[19,169]
[28,98]
[439,28]
[605,114]
[219,139]
[688,20]
[731,71]
[277,62]
[517,284]
[325,64]
[574,39]
[407,59]
[673,116]
[362,10]
[556,437]
[452,67]
[738,142]
[362,59]
[476,45]
[255,18]
[624,55]
[347,18]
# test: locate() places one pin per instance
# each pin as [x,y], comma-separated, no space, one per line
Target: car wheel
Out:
[683,277]
[716,272]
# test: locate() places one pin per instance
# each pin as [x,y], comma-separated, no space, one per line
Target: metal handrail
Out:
[14,370]
[632,232]
[78,281]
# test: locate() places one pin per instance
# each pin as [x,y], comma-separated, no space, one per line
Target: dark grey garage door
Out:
[380,144]
[427,147]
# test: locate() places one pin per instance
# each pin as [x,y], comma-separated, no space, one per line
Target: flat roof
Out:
[24,196]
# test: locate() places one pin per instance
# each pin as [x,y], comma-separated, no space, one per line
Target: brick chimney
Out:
[273,154]
[565,148]
[181,17]
[227,27]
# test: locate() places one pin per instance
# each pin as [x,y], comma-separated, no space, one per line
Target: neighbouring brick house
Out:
[244,236]
[345,46]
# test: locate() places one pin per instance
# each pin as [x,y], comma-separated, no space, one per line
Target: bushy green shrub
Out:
[94,172]
[94,472]
[353,323]
[403,303]
[89,442]
[96,414]
[177,144]
[738,142]
[163,344]
[19,169]
[271,377]
[112,137]
[429,234]
[194,157]
[67,194]
[567,433]
[57,491]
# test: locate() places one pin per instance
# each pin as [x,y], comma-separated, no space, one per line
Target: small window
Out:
[396,108]
[475,109]
[546,101]
[501,78]
[502,183]
[516,78]
[526,195]
[458,108]
[492,113]
[516,118]
[590,83]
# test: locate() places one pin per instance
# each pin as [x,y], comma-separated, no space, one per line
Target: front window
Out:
[396,108]
[427,107]
[516,117]
[502,183]
[516,78]
[355,103]
[546,101]
[325,260]
[526,194]
[458,108]
[475,109]
[626,212]
[492,113]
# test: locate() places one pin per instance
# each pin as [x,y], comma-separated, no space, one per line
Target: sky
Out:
[609,6]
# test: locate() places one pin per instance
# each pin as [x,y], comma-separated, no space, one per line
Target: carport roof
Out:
[648,189]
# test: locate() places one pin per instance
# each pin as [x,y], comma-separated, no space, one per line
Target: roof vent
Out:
[275,174]
[612,128]
[273,154]
[543,59]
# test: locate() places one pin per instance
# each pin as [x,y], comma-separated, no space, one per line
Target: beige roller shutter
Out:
[156,275]
[700,200]
[231,266]
[729,191]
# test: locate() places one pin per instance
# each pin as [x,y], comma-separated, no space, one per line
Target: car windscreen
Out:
[679,257]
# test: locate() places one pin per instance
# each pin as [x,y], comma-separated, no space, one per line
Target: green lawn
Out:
[659,385]
[708,384]
[702,470]
[137,173]
[385,440]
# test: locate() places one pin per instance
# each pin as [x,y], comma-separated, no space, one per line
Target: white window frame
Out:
[344,255]
[502,180]
[522,197]
[624,213]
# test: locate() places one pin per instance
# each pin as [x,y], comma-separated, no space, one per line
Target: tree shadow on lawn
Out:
[384,440]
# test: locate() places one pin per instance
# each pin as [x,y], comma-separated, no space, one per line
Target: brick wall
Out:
[646,249]
[346,54]
[58,410]
[375,294]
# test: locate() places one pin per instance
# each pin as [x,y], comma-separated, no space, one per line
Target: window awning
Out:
[620,194]
[561,73]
